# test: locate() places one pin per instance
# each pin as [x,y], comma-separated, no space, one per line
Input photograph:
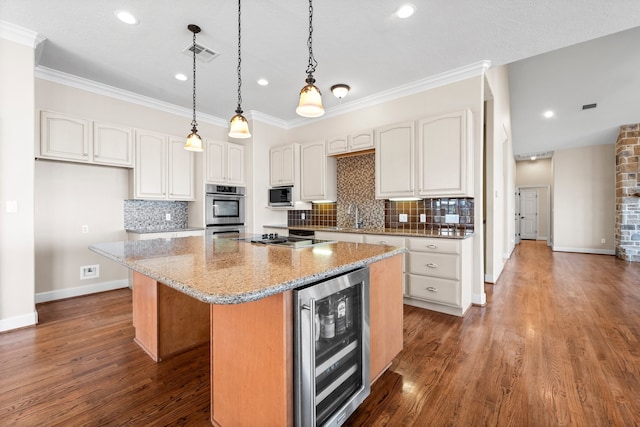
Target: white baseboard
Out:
[81,290]
[542,238]
[19,321]
[479,299]
[584,250]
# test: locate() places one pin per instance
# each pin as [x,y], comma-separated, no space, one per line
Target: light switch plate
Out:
[423,217]
[452,219]
[12,206]
[404,217]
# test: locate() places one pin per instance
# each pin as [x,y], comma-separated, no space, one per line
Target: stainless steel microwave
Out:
[281,196]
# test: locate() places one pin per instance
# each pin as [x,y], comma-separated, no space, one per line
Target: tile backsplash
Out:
[150,215]
[356,187]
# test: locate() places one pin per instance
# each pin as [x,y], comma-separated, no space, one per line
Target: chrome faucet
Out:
[356,222]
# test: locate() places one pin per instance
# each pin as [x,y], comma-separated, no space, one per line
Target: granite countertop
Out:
[228,271]
[447,233]
[156,230]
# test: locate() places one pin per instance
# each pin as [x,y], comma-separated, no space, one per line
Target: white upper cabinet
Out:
[224,163]
[64,137]
[445,155]
[181,170]
[164,170]
[394,159]
[357,141]
[282,164]
[112,144]
[318,173]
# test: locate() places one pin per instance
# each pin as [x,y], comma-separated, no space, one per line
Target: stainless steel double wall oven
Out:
[224,209]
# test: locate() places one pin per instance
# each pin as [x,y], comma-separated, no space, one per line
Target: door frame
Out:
[548,210]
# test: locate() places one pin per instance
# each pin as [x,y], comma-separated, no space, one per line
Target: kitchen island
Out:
[238,296]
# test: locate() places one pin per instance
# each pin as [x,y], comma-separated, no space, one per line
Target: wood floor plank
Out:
[558,344]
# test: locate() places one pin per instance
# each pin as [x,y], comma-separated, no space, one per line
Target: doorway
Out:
[528,214]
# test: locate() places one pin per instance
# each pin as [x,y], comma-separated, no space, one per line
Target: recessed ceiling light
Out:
[548,114]
[263,82]
[533,158]
[405,11]
[126,17]
[181,77]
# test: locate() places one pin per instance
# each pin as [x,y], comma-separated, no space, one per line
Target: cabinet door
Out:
[235,164]
[337,145]
[275,166]
[150,172]
[361,141]
[216,154]
[312,172]
[65,137]
[181,171]
[394,160]
[445,157]
[287,175]
[112,144]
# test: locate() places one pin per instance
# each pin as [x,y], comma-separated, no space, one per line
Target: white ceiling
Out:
[358,42]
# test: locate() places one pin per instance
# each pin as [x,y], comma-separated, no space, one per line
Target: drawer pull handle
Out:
[432,289]
[432,265]
[432,246]
[383,242]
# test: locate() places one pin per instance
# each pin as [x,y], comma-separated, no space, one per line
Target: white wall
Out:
[538,174]
[584,199]
[446,98]
[500,173]
[17,307]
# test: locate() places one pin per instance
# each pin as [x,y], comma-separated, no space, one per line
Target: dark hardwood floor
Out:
[558,344]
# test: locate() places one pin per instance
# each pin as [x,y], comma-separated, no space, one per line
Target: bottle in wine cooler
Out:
[341,314]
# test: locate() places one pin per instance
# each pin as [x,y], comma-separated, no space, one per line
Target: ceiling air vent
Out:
[534,156]
[589,106]
[204,54]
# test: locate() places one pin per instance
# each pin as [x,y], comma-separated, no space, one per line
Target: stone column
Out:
[627,228]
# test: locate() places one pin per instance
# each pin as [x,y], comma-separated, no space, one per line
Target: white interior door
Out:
[528,214]
[517,216]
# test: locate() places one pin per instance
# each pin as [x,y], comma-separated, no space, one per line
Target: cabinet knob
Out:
[432,265]
[432,289]
[432,246]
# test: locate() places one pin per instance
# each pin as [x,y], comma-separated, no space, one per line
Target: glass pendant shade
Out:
[310,104]
[239,127]
[194,142]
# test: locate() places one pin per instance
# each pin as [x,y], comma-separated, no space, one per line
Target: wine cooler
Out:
[331,365]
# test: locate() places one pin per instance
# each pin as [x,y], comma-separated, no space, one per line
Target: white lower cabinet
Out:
[165,234]
[439,274]
[340,237]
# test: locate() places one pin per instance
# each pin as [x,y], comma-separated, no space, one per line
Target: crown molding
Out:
[442,79]
[123,95]
[452,76]
[20,35]
[268,119]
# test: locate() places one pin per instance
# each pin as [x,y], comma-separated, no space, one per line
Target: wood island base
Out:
[252,343]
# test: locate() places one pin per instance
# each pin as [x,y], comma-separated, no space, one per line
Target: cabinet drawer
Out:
[384,240]
[433,245]
[435,265]
[433,289]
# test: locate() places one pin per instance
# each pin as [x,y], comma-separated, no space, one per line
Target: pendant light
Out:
[310,104]
[239,127]
[194,142]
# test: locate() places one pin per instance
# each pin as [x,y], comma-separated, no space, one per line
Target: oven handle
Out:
[312,354]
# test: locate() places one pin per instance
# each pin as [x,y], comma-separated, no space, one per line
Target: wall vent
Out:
[589,106]
[537,156]
[204,54]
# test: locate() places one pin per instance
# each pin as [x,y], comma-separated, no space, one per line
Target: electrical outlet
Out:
[404,217]
[423,217]
[85,229]
[603,240]
[89,271]
[302,215]
[167,217]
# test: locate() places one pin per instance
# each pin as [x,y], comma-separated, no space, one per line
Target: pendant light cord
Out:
[193,122]
[239,110]
[311,67]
